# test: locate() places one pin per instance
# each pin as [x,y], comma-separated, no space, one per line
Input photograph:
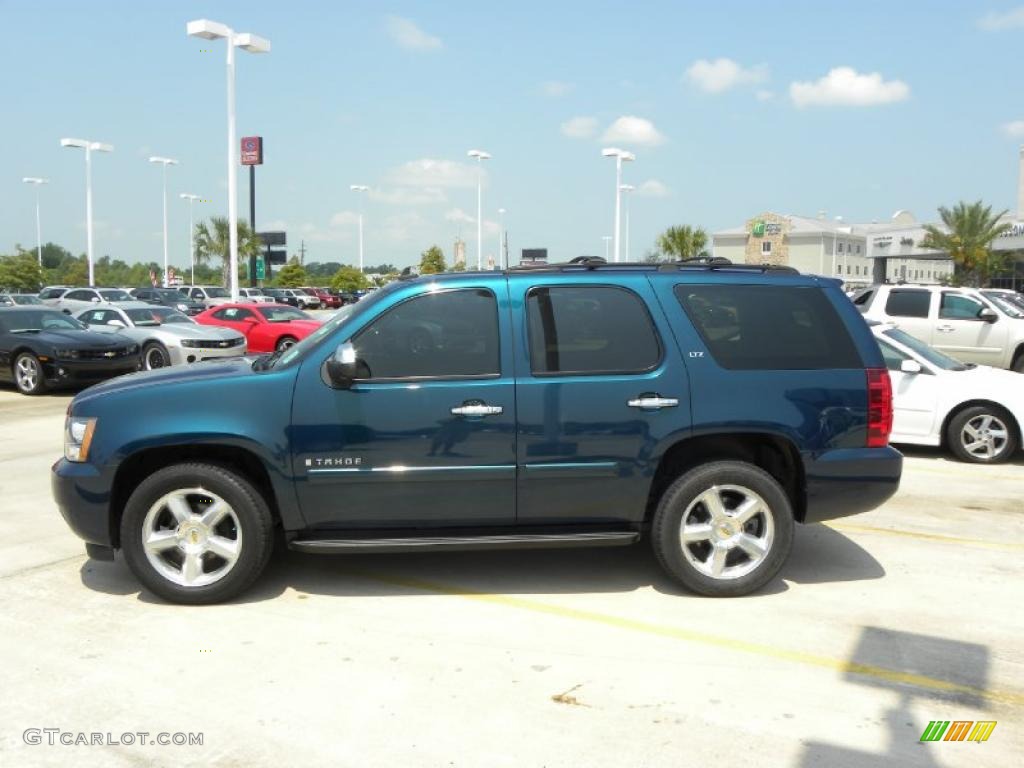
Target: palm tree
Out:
[212,243]
[683,242]
[967,234]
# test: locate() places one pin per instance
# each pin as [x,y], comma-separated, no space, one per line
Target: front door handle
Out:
[477,409]
[652,402]
[945,328]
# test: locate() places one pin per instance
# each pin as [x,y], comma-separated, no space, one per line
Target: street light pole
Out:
[620,155]
[212,30]
[37,183]
[191,234]
[502,258]
[89,147]
[607,239]
[360,188]
[480,156]
[164,161]
[627,188]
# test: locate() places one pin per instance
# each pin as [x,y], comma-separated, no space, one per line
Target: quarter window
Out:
[590,329]
[908,304]
[447,334]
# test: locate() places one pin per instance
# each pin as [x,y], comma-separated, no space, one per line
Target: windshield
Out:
[217,293]
[115,295]
[168,294]
[930,354]
[282,314]
[18,322]
[155,316]
[1007,304]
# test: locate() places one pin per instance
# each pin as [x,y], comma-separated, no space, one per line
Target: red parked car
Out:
[267,327]
[327,299]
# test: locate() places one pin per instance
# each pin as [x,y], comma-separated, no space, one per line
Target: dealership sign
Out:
[1016,230]
[252,150]
[762,228]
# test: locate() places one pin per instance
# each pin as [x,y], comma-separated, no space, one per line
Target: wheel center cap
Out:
[192,536]
[725,531]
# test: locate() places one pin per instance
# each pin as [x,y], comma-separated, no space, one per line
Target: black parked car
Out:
[43,348]
[281,296]
[168,297]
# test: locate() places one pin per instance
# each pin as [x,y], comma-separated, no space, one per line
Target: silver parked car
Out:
[51,294]
[77,299]
[209,295]
[167,337]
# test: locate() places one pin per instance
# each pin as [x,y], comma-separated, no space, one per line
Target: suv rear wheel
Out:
[196,533]
[723,529]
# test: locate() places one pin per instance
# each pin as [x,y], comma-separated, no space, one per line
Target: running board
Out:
[456,543]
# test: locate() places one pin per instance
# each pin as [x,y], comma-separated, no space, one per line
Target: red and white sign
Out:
[252,150]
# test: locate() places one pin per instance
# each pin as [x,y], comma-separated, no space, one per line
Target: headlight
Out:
[190,343]
[66,354]
[78,437]
[181,307]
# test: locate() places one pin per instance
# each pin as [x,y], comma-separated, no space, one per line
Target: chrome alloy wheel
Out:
[27,373]
[984,436]
[192,537]
[727,532]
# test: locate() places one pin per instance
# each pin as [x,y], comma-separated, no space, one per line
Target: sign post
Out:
[252,155]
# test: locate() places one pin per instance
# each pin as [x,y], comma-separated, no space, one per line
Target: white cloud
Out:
[765,95]
[845,87]
[406,34]
[402,227]
[555,88]
[428,172]
[722,74]
[459,216]
[344,219]
[1014,129]
[652,188]
[997,22]
[580,128]
[629,129]
[407,196]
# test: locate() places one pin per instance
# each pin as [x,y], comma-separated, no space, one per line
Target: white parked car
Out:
[961,322]
[209,295]
[52,293]
[253,296]
[973,410]
[77,299]
[166,336]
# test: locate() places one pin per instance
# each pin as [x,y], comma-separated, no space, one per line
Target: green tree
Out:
[212,244]
[683,242]
[348,279]
[967,235]
[432,261]
[291,275]
[459,266]
[21,272]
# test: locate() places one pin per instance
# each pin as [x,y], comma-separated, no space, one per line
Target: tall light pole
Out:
[480,156]
[620,155]
[607,239]
[164,161]
[191,234]
[627,188]
[212,30]
[501,235]
[37,183]
[89,147]
[359,189]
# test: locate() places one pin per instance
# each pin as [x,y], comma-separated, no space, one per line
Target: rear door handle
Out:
[477,409]
[652,402]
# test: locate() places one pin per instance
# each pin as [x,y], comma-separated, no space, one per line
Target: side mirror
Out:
[95,300]
[911,367]
[987,314]
[342,366]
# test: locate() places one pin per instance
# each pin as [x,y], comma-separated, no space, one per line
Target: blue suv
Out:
[706,407]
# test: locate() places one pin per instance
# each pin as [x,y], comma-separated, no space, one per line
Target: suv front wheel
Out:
[196,533]
[723,529]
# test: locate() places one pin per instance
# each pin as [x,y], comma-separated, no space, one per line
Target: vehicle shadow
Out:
[930,452]
[820,555]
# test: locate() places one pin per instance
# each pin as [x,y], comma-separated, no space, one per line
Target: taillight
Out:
[879,407]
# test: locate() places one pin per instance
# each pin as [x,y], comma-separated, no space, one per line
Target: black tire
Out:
[35,385]
[255,530]
[684,494]
[153,351]
[1018,363]
[284,342]
[1002,449]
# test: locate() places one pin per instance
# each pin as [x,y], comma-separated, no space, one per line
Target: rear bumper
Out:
[848,481]
[82,494]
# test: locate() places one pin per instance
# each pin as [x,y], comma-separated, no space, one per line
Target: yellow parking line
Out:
[1005,546]
[922,682]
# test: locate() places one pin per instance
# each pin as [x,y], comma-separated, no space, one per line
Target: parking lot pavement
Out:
[879,624]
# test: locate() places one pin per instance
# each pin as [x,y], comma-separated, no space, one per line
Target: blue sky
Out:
[732,108]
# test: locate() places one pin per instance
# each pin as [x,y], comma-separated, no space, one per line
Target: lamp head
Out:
[35,180]
[252,43]
[163,160]
[208,30]
[479,154]
[359,188]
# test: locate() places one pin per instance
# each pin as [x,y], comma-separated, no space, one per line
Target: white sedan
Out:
[973,410]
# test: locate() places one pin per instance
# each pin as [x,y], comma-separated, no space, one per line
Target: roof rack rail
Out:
[695,262]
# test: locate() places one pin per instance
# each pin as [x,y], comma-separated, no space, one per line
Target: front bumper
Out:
[71,372]
[848,481]
[182,355]
[82,494]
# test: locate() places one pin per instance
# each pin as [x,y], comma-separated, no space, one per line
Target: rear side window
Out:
[908,303]
[766,327]
[590,329]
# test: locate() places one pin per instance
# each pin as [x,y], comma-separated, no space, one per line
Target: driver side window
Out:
[958,307]
[447,334]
